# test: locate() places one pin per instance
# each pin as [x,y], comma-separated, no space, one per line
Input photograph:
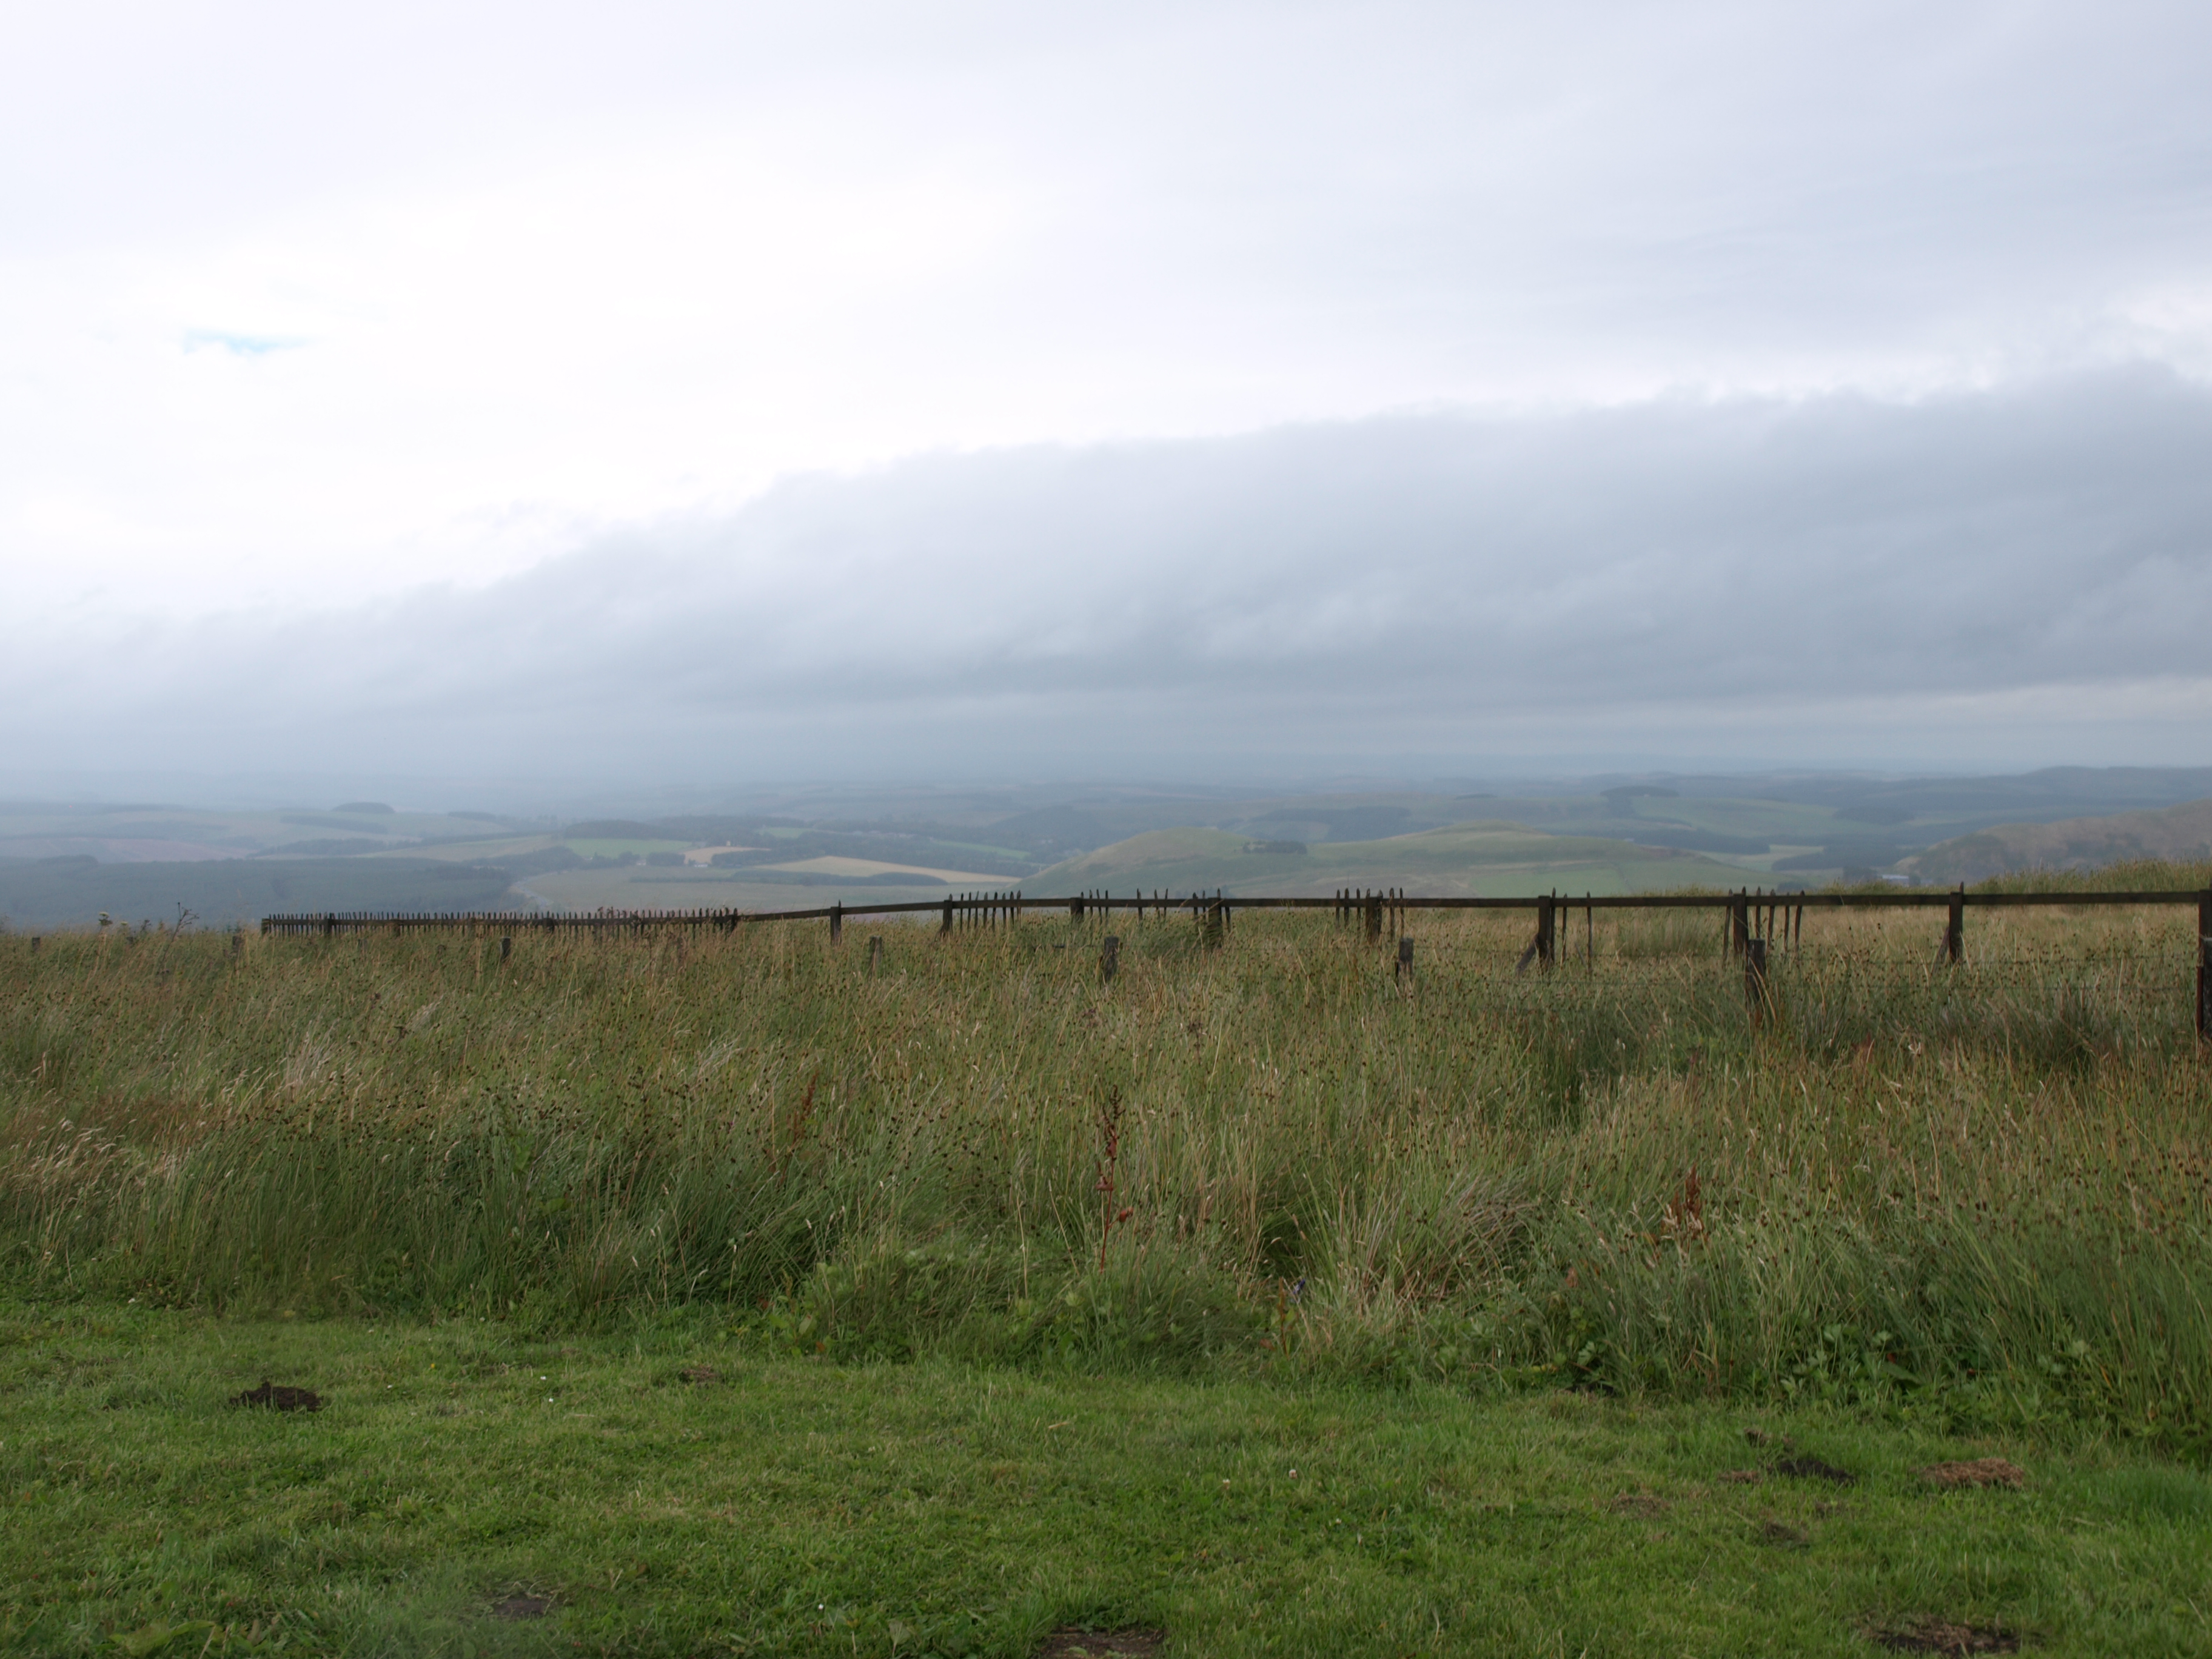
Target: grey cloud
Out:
[1446,583]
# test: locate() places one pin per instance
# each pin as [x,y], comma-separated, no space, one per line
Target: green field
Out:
[1001,1270]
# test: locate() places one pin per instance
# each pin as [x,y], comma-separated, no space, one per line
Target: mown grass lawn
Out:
[675,1491]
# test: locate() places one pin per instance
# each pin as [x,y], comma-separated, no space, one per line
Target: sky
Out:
[619,394]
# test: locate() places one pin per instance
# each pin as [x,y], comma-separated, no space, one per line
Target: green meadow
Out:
[742,1293]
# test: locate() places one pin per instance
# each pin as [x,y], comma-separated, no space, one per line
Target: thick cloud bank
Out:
[2006,576]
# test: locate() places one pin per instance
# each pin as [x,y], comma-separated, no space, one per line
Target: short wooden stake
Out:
[506,946]
[1109,957]
[1405,957]
[875,952]
[836,924]
[1955,931]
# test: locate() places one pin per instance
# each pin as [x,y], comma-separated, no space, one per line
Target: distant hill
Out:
[72,891]
[1485,858]
[2179,833]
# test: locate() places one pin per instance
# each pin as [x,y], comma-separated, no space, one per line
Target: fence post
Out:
[1547,920]
[1955,931]
[1374,915]
[506,946]
[836,924]
[1738,923]
[2204,967]
[1109,957]
[1405,957]
[1756,992]
[875,952]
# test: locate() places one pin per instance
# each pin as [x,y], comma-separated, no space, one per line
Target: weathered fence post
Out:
[1405,957]
[836,924]
[1954,930]
[875,952]
[1738,923]
[36,941]
[946,926]
[2204,967]
[1756,992]
[1374,915]
[1548,935]
[506,946]
[1109,957]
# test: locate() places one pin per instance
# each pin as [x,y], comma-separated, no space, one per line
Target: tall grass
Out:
[1985,1186]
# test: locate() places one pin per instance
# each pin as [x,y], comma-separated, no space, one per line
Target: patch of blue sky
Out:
[238,345]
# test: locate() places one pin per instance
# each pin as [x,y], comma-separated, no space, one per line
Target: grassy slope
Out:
[1481,859]
[1945,1211]
[2174,833]
[1990,1177]
[790,1507]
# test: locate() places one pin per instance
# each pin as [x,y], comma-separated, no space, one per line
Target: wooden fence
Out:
[1754,919]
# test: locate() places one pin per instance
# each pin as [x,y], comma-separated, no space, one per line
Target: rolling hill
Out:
[2183,834]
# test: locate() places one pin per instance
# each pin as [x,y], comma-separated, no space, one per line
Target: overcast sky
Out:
[833,390]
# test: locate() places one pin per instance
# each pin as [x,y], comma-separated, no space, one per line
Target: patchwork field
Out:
[1479,859]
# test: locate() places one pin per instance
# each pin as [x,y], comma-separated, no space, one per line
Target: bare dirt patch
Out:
[1982,1472]
[277,1397]
[1069,1642]
[700,1374]
[1931,1634]
[1782,1535]
[1813,1468]
[519,1607]
[1639,1502]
